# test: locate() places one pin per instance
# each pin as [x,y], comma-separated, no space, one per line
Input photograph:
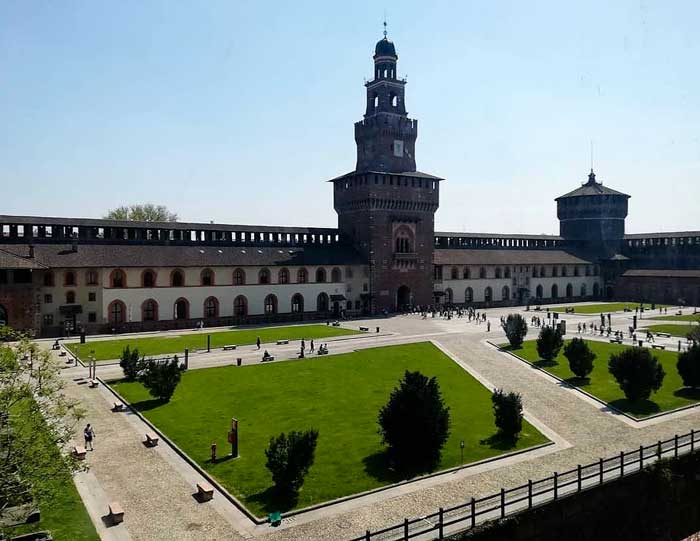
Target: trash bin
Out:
[82,336]
[239,361]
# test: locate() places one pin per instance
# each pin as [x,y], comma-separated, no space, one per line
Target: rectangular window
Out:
[48,299]
[48,319]
[92,317]
[92,296]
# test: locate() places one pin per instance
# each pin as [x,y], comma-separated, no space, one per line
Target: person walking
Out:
[89,435]
[311,346]
[257,342]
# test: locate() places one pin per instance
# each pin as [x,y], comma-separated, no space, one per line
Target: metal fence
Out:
[450,520]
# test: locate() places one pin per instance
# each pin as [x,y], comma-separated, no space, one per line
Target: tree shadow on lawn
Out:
[500,442]
[380,466]
[576,381]
[145,405]
[544,364]
[640,408]
[688,393]
[272,500]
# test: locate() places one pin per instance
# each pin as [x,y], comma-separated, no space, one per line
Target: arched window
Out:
[482,272]
[239,277]
[569,290]
[70,297]
[116,312]
[206,278]
[181,309]
[264,276]
[297,303]
[283,276]
[539,292]
[3,316]
[498,272]
[454,273]
[48,279]
[596,289]
[488,294]
[270,305]
[149,310]
[335,275]
[583,290]
[449,296]
[211,307]
[506,272]
[117,278]
[177,278]
[322,302]
[240,306]
[320,275]
[505,293]
[91,278]
[466,274]
[302,276]
[403,240]
[555,291]
[468,295]
[148,278]
[69,279]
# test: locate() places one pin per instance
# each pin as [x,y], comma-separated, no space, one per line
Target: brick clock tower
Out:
[385,207]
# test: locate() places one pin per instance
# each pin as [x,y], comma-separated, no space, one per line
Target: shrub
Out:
[289,458]
[580,357]
[415,422]
[508,410]
[161,378]
[637,372]
[549,343]
[515,328]
[130,363]
[689,366]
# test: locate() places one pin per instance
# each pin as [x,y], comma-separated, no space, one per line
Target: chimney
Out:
[74,245]
[31,251]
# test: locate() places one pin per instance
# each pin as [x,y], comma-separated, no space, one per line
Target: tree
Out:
[508,410]
[689,366]
[549,343]
[142,213]
[694,334]
[131,363]
[289,458]
[161,377]
[580,357]
[515,328]
[637,372]
[35,453]
[415,422]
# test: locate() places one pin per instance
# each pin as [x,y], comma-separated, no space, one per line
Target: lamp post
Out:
[461,448]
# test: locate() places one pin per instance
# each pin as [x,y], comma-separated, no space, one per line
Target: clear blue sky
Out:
[237,111]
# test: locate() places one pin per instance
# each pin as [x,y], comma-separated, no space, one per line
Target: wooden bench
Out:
[62,354]
[663,334]
[336,323]
[205,491]
[615,341]
[658,346]
[151,439]
[282,342]
[118,406]
[230,347]
[366,329]
[79,452]
[116,513]
[268,358]
[322,352]
[93,383]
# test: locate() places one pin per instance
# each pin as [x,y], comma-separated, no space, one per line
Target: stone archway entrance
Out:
[181,309]
[403,298]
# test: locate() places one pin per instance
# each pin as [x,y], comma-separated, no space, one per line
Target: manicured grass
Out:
[162,345]
[674,330]
[684,317]
[604,307]
[338,395]
[602,384]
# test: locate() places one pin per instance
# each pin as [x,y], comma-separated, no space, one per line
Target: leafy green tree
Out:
[637,372]
[515,328]
[34,453]
[415,422]
[689,366]
[142,213]
[549,343]
[8,334]
[161,378]
[289,458]
[508,410]
[580,357]
[131,363]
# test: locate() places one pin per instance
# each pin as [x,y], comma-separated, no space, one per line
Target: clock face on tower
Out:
[398,148]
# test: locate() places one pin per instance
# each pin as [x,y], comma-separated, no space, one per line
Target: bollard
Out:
[187,357]
[239,361]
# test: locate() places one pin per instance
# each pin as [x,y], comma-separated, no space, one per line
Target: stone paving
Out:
[155,486]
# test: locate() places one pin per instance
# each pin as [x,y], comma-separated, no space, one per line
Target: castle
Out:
[65,274]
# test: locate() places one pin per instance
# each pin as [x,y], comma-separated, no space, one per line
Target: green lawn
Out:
[338,395]
[604,307]
[601,383]
[674,330]
[684,317]
[162,345]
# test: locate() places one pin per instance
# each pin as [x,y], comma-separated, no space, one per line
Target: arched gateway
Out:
[403,298]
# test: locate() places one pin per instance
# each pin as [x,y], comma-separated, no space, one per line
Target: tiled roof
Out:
[591,188]
[456,256]
[134,255]
[662,273]
[10,260]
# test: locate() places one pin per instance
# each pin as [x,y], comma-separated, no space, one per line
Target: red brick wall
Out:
[659,289]
[20,304]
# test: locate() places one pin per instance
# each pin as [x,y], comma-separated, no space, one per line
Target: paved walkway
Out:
[155,486]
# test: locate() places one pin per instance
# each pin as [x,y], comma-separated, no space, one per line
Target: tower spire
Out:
[385,25]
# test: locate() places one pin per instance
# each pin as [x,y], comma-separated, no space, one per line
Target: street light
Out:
[461,448]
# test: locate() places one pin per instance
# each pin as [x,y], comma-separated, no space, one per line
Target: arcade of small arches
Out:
[569,293]
[538,271]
